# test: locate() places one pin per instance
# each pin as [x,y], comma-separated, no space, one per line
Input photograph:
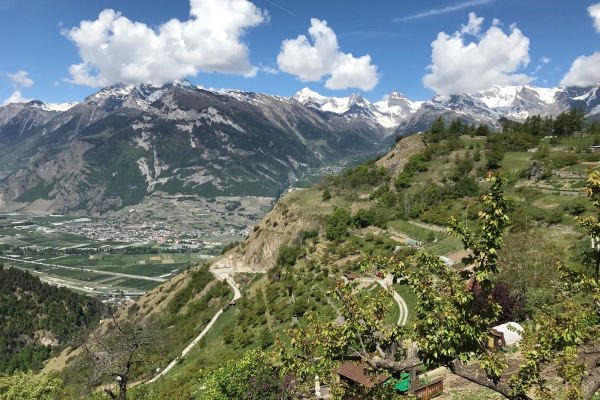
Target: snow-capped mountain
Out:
[133,96]
[387,113]
[484,107]
[56,107]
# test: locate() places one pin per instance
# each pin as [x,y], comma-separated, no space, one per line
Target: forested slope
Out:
[36,317]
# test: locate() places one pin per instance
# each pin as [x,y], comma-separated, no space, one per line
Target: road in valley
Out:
[221,274]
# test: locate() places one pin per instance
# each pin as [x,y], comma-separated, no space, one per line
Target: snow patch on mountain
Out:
[58,107]
[387,113]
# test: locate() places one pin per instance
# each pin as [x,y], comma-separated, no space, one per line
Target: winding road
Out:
[384,283]
[221,274]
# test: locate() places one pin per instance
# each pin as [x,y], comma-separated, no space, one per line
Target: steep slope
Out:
[124,143]
[301,211]
[36,316]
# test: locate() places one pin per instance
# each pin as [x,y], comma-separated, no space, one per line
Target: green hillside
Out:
[299,252]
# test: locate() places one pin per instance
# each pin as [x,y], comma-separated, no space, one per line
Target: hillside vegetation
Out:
[37,319]
[300,250]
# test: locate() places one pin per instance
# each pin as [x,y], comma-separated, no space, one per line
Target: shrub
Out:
[288,255]
[337,224]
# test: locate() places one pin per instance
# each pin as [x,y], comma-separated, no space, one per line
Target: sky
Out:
[64,50]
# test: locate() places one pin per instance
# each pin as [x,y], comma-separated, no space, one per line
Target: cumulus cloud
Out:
[460,67]
[114,49]
[310,62]
[584,72]
[20,79]
[594,11]
[16,97]
[474,25]
[544,60]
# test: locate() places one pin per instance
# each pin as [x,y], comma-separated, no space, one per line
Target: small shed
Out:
[232,303]
[496,339]
[510,338]
[351,277]
[356,373]
[413,242]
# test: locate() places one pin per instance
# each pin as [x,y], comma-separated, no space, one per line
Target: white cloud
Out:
[594,11]
[496,22]
[474,25]
[16,97]
[20,79]
[584,72]
[269,70]
[436,11]
[537,69]
[114,49]
[311,62]
[544,60]
[466,68]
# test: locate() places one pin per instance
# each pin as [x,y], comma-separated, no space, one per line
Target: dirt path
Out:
[384,283]
[221,275]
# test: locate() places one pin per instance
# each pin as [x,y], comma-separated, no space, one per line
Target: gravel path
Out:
[221,275]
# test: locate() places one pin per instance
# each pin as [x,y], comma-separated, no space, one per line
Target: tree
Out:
[483,130]
[117,350]
[227,334]
[495,157]
[29,386]
[287,255]
[364,336]
[565,336]
[266,338]
[403,180]
[255,376]
[337,224]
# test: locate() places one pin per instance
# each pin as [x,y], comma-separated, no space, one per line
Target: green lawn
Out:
[413,231]
[446,245]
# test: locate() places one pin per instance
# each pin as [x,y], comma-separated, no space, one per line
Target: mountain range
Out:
[127,142]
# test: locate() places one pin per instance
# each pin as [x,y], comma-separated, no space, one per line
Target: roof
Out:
[511,338]
[351,276]
[356,373]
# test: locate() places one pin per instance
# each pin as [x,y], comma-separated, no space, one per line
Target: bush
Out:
[337,224]
[300,307]
[288,255]
[363,218]
[554,218]
[266,338]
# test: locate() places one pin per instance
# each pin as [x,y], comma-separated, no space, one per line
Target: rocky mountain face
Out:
[127,142]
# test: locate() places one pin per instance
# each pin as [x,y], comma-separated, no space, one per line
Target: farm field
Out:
[97,263]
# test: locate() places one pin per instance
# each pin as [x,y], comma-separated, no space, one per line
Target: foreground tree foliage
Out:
[253,377]
[451,329]
[29,386]
[455,311]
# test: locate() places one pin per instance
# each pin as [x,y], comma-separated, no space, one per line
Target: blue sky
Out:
[243,47]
